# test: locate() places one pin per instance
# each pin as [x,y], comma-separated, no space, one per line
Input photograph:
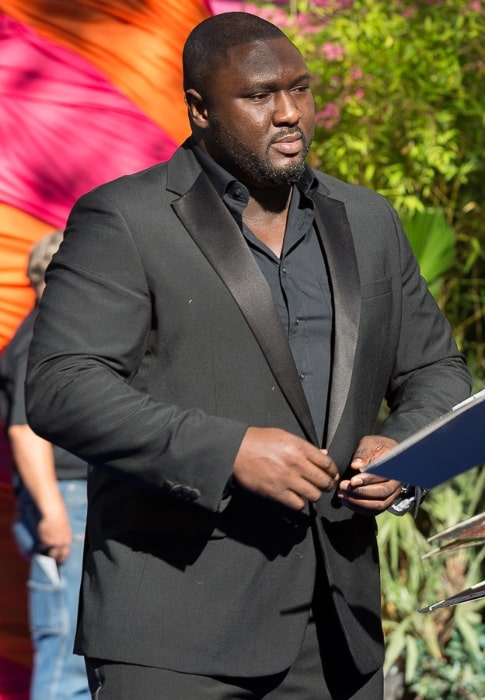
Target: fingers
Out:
[301,491]
[321,471]
[308,471]
[311,486]
[370,447]
[296,483]
[368,493]
[55,537]
[278,465]
[304,488]
[57,552]
[60,554]
[63,554]
[284,467]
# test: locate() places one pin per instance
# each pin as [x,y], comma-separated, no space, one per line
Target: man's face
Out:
[260,114]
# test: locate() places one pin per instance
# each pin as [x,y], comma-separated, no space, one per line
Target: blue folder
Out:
[443,449]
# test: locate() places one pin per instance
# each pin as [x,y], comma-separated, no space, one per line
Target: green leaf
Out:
[433,243]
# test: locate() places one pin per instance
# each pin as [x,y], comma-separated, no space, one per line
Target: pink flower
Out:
[305,23]
[335,4]
[328,117]
[272,14]
[332,52]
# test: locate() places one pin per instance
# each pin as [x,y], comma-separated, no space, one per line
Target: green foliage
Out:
[419,644]
[433,242]
[460,678]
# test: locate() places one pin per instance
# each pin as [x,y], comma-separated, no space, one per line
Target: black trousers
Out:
[305,680]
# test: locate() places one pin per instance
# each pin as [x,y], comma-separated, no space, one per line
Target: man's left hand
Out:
[368,493]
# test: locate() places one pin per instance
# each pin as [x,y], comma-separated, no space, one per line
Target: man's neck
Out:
[266,215]
[273,200]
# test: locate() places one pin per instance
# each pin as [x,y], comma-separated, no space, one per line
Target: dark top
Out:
[298,281]
[13,366]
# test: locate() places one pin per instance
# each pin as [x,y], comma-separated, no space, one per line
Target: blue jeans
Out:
[58,674]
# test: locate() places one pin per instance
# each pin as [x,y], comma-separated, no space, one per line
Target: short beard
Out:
[249,167]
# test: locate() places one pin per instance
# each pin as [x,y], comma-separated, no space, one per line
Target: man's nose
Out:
[286,109]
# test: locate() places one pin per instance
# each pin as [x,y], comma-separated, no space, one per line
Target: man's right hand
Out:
[34,459]
[54,534]
[278,465]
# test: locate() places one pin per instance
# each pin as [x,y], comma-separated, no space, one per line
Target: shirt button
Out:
[302,376]
[283,270]
[297,321]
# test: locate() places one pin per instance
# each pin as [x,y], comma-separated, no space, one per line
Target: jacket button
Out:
[185,493]
[177,490]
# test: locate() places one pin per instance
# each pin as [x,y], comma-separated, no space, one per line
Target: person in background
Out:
[50,488]
[216,339]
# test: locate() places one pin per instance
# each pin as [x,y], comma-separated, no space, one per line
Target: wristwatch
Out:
[409,499]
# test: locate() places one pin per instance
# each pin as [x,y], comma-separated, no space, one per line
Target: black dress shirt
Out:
[298,281]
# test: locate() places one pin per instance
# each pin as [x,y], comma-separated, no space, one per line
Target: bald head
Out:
[208,44]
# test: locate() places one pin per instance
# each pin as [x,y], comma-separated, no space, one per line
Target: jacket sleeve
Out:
[429,375]
[90,339]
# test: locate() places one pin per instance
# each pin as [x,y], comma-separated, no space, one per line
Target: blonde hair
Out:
[40,257]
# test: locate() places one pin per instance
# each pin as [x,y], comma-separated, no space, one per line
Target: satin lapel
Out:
[334,229]
[219,238]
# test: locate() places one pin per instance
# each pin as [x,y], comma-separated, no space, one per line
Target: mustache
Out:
[290,131]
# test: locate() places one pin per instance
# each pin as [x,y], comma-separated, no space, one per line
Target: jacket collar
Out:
[337,242]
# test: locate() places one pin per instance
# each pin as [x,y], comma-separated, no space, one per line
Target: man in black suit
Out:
[208,325]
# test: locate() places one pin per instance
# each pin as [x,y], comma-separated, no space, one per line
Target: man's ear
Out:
[197,108]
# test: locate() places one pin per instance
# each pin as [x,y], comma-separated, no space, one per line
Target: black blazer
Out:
[157,343]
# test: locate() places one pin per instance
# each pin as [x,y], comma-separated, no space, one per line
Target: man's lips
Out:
[289,145]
